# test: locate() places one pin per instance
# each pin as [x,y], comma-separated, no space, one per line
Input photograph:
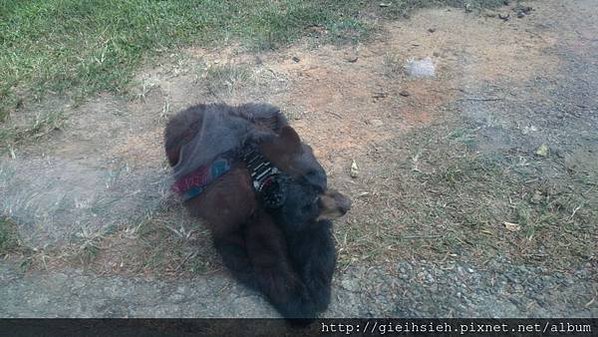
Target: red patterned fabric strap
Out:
[194,183]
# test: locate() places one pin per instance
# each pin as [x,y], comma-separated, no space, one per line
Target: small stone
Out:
[376,122]
[352,58]
[296,59]
[522,11]
[504,17]
[431,30]
[378,95]
[404,93]
[543,150]
[537,197]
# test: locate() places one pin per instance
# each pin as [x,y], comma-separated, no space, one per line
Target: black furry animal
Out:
[286,252]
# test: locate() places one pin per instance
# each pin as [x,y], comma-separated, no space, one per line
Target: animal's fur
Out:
[287,253]
[215,129]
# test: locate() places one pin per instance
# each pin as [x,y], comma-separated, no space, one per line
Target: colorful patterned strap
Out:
[194,183]
[268,181]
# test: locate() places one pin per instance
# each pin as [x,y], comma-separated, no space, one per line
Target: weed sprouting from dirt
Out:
[225,79]
[399,9]
[393,65]
[32,129]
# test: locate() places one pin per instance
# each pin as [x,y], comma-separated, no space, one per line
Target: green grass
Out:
[83,47]
[8,236]
[77,48]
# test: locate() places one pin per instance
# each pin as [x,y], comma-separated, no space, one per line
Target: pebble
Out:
[351,58]
[376,122]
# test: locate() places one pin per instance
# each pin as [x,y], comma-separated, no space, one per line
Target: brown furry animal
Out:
[286,252]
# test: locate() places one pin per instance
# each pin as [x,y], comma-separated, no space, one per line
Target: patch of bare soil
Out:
[439,161]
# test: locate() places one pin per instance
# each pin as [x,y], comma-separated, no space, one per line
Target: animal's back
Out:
[195,136]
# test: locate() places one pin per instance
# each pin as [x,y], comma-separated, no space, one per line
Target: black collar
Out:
[268,181]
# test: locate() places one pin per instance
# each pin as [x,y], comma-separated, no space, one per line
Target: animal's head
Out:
[293,157]
[304,206]
[307,196]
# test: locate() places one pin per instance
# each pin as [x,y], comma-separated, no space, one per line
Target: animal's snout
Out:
[344,203]
[333,205]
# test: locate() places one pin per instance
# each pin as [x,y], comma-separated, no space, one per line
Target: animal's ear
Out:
[282,148]
[290,139]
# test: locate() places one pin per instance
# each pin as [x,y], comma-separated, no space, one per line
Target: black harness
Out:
[268,181]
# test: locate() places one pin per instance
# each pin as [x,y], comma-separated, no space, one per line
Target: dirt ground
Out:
[456,212]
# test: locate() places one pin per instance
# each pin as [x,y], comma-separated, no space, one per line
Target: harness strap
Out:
[261,169]
[194,183]
[267,180]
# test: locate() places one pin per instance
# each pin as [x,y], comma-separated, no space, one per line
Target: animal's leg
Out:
[314,257]
[233,251]
[267,249]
